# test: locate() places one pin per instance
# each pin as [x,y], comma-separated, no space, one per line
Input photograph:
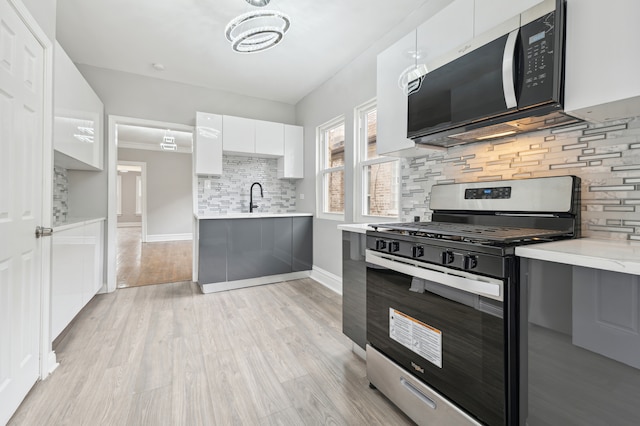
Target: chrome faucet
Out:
[251,205]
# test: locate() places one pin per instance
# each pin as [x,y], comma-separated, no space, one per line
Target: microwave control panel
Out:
[537,60]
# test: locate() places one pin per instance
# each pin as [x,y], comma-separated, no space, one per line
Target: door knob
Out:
[43,232]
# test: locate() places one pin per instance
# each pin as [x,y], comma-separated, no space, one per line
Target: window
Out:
[376,176]
[331,169]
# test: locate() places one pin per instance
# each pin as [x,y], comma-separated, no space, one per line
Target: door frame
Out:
[112,168]
[143,208]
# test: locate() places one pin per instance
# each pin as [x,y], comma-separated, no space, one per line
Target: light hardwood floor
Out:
[151,263]
[168,355]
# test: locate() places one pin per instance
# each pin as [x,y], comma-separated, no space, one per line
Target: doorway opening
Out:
[152,202]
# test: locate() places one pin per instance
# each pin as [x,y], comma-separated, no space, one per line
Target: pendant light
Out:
[257,30]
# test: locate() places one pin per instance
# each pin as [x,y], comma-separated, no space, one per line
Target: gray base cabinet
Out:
[580,354]
[302,229]
[354,287]
[212,251]
[241,249]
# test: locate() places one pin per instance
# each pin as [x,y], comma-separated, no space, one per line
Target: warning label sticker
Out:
[417,336]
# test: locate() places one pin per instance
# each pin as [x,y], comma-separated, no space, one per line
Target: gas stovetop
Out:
[480,234]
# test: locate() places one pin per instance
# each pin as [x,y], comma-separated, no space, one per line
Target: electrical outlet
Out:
[207,184]
[301,196]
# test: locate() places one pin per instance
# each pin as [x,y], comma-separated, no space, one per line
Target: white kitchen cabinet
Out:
[238,134]
[78,121]
[246,136]
[602,60]
[445,31]
[269,138]
[404,61]
[77,270]
[291,165]
[491,13]
[394,65]
[208,144]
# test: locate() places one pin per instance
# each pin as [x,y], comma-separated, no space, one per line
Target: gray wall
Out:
[87,194]
[350,87]
[128,191]
[44,12]
[169,190]
[136,96]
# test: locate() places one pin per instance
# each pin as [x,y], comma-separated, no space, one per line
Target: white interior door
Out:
[21,146]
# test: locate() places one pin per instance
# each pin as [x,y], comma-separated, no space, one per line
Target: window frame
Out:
[361,163]
[323,172]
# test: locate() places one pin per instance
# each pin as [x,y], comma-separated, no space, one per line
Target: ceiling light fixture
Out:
[257,30]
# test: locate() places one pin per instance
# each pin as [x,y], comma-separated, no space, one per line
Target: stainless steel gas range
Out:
[443,297]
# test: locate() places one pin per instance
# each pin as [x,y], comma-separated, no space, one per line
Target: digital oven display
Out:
[502,192]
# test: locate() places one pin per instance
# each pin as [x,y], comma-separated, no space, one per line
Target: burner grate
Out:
[471,232]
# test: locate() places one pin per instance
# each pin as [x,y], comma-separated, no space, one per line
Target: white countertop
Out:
[74,222]
[256,215]
[360,228]
[610,255]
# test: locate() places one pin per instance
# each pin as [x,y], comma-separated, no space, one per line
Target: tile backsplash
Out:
[605,156]
[60,195]
[229,193]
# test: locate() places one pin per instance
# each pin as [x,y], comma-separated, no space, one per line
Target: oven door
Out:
[444,326]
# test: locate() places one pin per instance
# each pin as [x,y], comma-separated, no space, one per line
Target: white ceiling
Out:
[187,37]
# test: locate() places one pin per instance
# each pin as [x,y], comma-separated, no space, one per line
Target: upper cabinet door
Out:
[269,138]
[291,165]
[602,59]
[490,13]
[239,134]
[445,31]
[208,144]
[394,65]
[78,121]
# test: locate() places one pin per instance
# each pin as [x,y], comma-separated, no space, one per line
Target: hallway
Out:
[142,264]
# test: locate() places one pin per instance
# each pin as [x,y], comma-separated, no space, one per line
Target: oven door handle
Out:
[483,286]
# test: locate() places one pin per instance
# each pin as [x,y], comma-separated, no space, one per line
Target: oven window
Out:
[472,372]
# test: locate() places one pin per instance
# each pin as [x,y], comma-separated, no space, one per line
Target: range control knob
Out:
[394,246]
[417,251]
[470,261]
[381,245]
[447,257]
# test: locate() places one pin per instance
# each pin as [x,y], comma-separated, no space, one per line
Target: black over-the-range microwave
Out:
[506,81]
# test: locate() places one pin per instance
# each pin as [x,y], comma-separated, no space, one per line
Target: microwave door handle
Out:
[508,63]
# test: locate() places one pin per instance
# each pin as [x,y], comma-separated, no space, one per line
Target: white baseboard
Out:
[327,279]
[168,237]
[232,285]
[129,224]
[51,364]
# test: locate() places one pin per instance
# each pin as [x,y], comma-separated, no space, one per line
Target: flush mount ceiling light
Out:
[257,30]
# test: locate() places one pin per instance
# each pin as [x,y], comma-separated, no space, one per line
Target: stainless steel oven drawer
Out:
[418,401]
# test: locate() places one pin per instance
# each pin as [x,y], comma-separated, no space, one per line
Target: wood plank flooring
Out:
[151,263]
[169,355]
